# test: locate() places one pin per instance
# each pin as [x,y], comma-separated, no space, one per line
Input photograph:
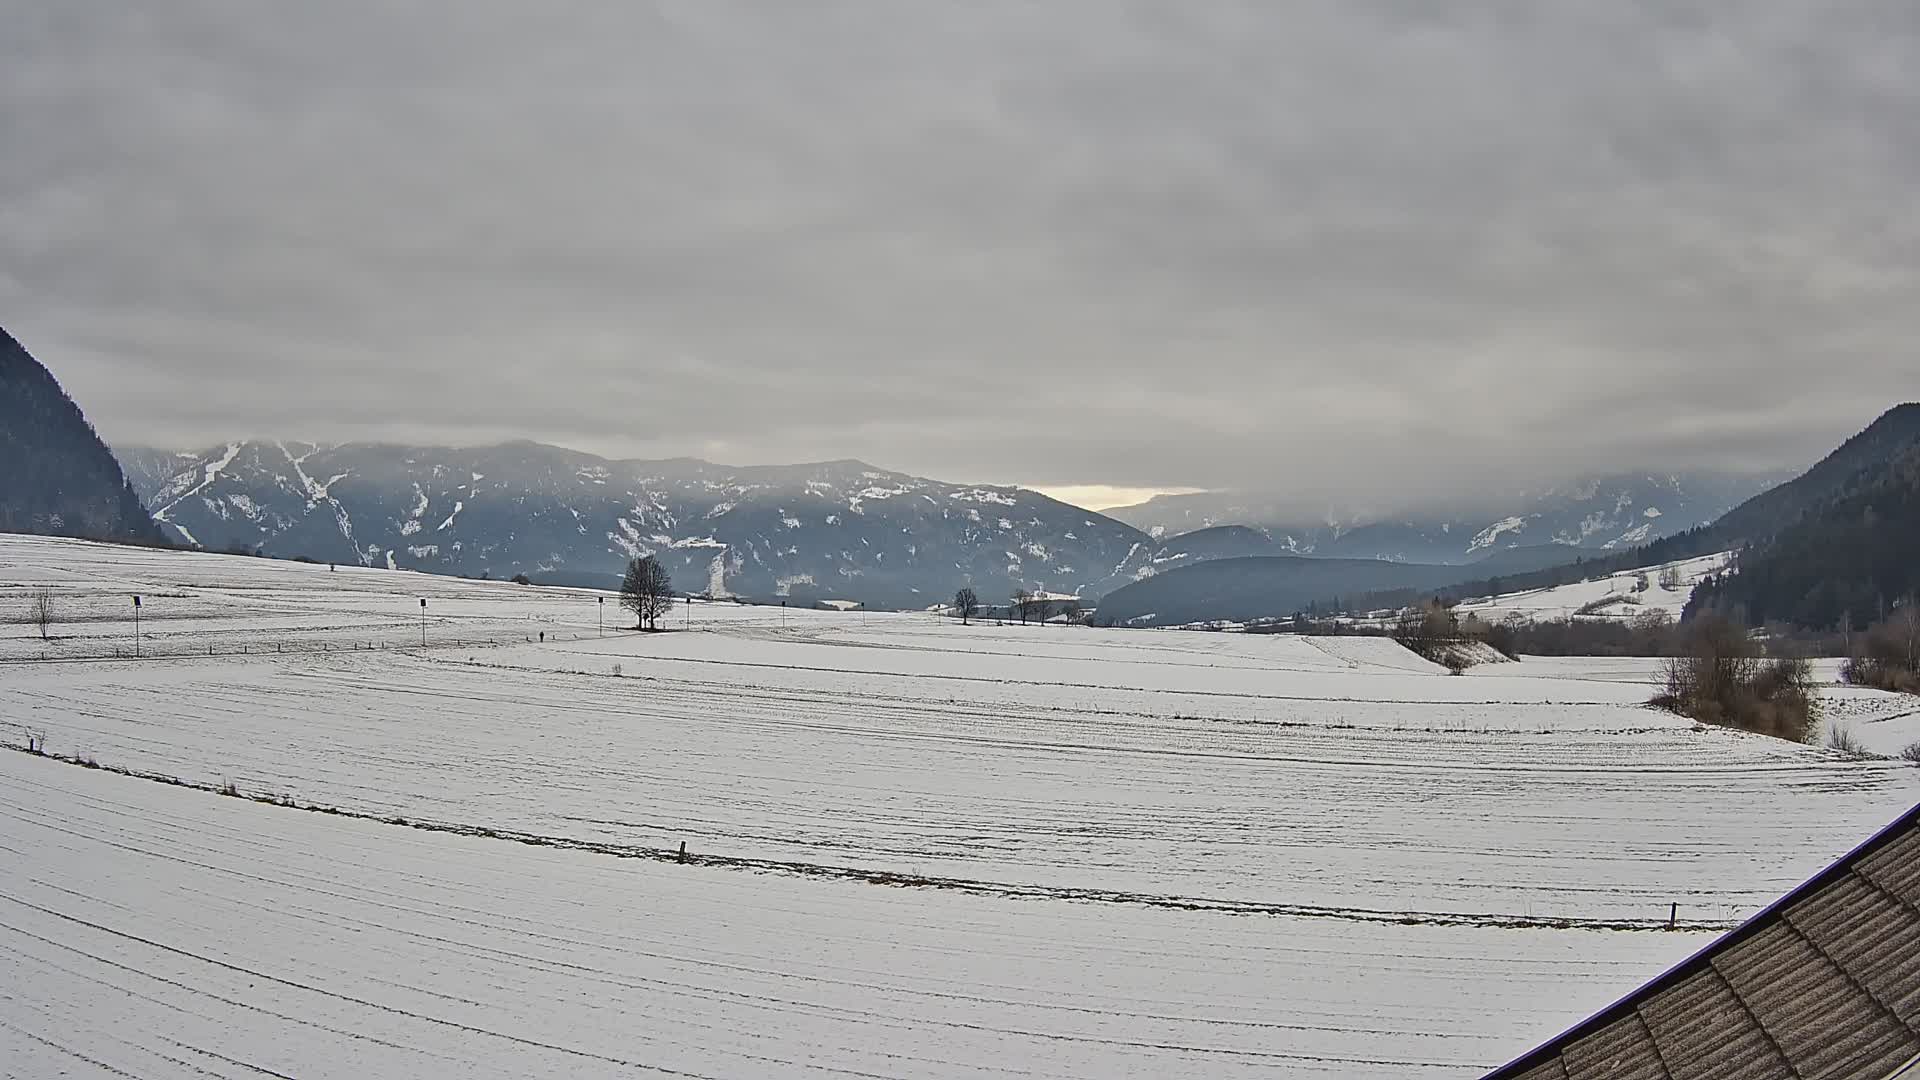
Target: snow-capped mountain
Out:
[839,529]
[1610,513]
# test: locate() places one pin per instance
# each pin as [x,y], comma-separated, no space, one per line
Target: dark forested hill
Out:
[1845,560]
[1839,473]
[1273,586]
[56,476]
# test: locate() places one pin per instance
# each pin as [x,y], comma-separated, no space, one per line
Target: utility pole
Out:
[423,622]
[136,625]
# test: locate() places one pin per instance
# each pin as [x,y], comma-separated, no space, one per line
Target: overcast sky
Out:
[1386,247]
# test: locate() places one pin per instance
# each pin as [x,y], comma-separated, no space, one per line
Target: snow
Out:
[210,472]
[1565,601]
[447,524]
[163,931]
[1136,852]
[1490,535]
[984,495]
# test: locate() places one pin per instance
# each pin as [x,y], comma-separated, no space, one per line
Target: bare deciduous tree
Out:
[966,604]
[647,591]
[1022,600]
[40,612]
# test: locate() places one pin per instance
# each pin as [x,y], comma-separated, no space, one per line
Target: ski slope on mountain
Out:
[917,848]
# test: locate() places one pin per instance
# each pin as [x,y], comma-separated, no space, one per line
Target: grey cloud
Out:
[1381,248]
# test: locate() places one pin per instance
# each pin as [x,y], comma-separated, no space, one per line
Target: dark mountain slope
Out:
[1259,587]
[1273,586]
[1843,563]
[1896,431]
[56,476]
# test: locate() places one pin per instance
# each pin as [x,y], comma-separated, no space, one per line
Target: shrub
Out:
[1721,679]
[1844,740]
[1911,753]
[1888,654]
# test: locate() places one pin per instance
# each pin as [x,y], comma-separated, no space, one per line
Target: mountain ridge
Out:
[1612,511]
[836,529]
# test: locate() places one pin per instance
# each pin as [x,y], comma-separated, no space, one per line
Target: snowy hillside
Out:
[1616,596]
[836,529]
[1610,512]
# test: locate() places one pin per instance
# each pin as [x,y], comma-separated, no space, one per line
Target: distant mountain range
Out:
[1838,538]
[843,530]
[840,529]
[56,476]
[1603,512]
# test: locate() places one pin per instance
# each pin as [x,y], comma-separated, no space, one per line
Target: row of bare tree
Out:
[1024,606]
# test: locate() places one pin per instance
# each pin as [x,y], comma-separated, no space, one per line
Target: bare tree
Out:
[1022,600]
[40,612]
[647,591]
[1670,578]
[966,604]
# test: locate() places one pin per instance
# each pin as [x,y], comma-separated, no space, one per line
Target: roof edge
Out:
[1546,1051]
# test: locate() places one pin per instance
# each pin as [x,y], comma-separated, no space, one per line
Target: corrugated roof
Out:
[1824,983]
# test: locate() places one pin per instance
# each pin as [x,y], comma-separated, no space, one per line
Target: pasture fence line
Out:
[151,648]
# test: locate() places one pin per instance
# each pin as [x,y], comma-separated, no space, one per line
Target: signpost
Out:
[136,625]
[423,622]
[603,616]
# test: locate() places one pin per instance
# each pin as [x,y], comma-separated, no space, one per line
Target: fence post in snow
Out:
[683,851]
[1673,914]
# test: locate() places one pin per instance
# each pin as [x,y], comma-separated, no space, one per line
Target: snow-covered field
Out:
[918,849]
[1618,595]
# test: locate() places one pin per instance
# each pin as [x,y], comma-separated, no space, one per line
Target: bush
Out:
[1880,674]
[1911,753]
[1844,740]
[1887,656]
[1721,679]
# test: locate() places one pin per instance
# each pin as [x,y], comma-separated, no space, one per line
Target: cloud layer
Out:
[1384,247]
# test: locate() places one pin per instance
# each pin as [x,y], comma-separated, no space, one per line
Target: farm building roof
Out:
[1823,983]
